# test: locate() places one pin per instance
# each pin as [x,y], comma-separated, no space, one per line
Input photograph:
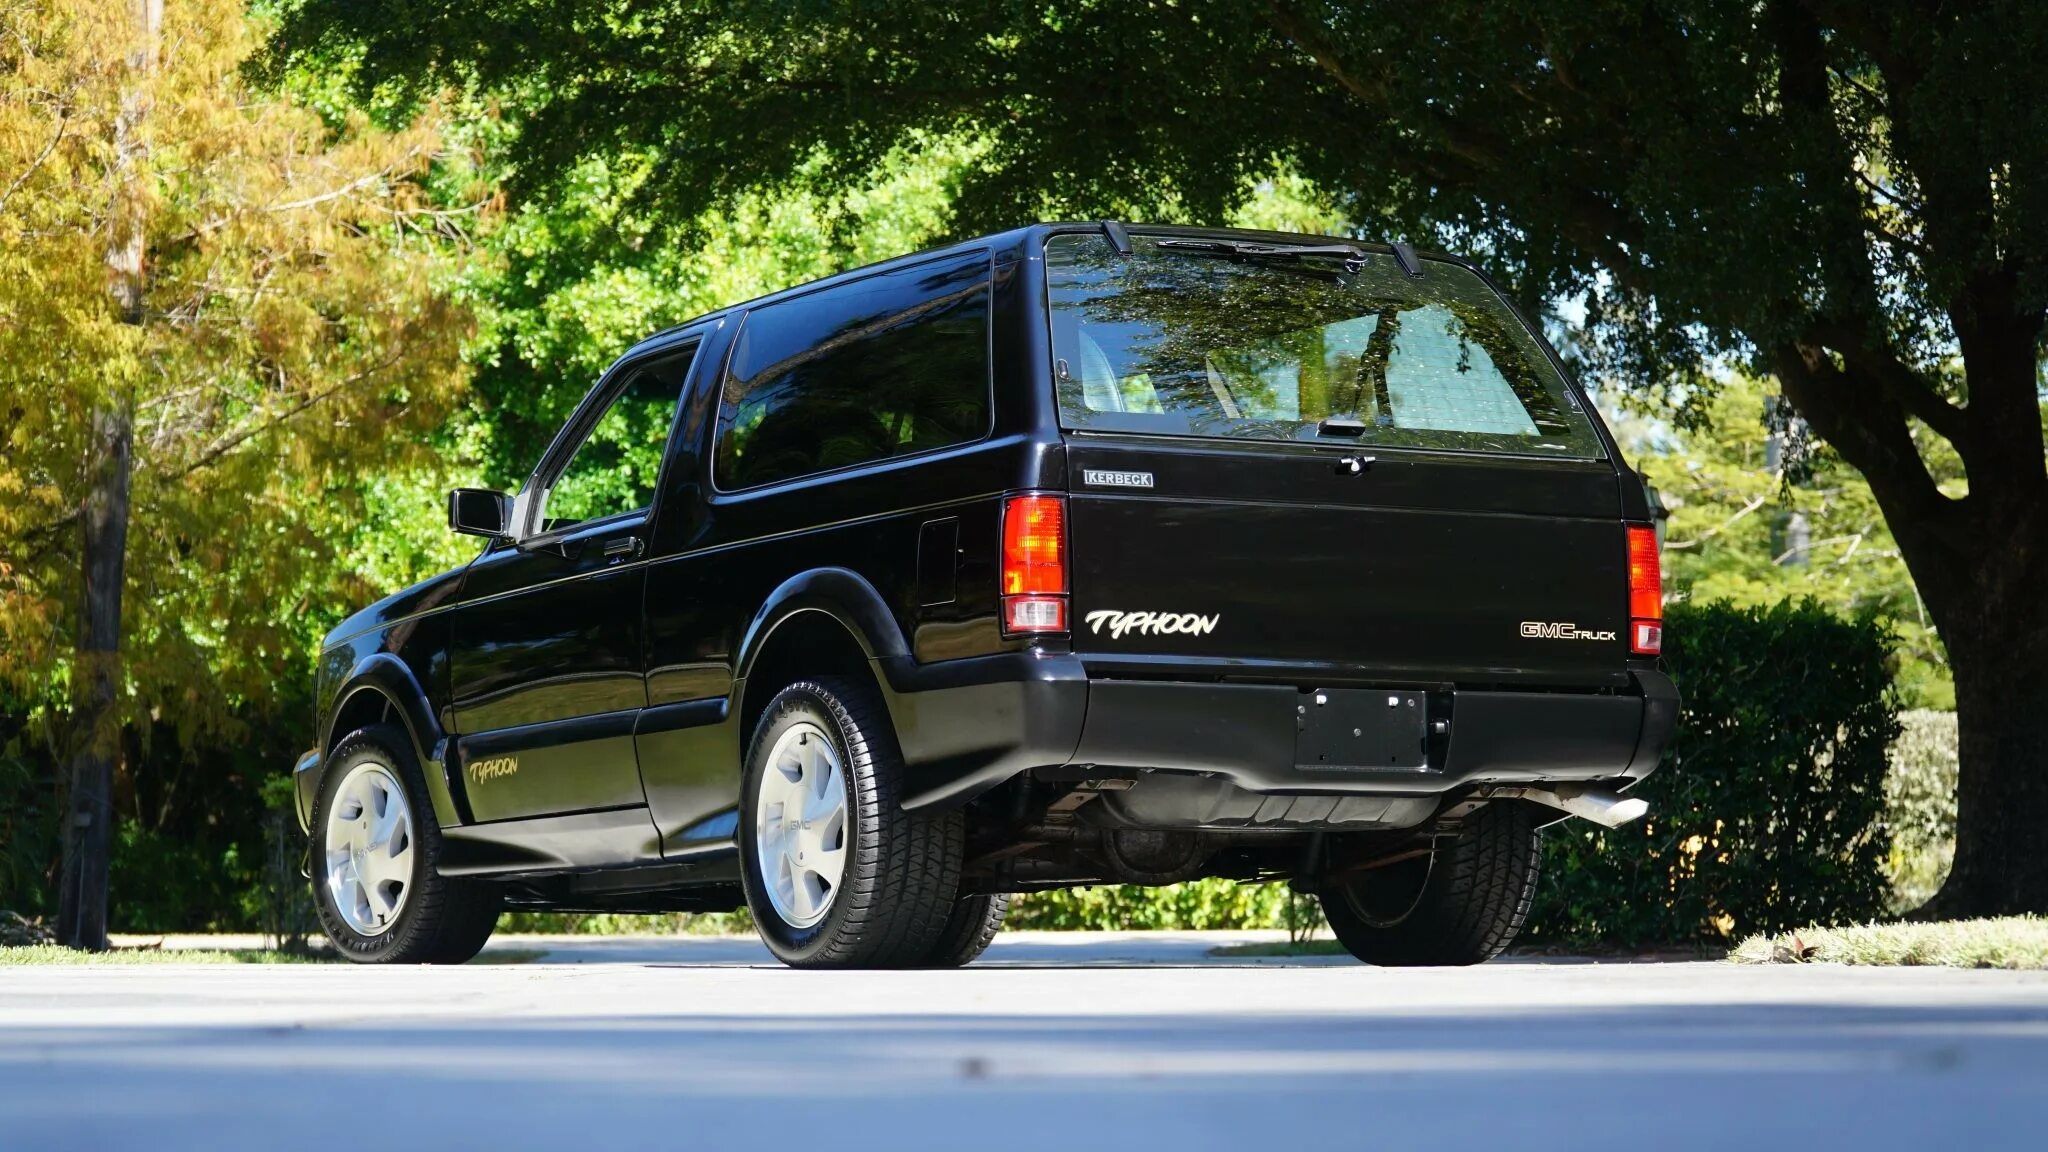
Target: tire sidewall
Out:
[383,745]
[803,702]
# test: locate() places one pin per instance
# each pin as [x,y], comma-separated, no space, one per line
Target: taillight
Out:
[1035,564]
[1645,592]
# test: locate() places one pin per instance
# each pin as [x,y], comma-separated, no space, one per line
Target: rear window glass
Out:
[883,366]
[1193,342]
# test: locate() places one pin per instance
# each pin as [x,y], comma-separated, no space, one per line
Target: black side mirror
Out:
[480,512]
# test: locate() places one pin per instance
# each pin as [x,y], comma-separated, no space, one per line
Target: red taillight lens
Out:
[1035,564]
[1645,592]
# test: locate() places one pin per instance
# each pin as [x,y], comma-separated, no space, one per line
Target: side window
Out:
[615,467]
[887,365]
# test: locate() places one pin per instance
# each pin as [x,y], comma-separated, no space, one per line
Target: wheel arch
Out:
[382,689]
[823,622]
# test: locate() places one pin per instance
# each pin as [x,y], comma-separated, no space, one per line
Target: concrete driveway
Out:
[1053,1041]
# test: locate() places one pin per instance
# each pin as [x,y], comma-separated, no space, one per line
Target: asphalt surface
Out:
[1125,1042]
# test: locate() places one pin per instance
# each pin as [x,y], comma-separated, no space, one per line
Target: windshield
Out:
[1181,340]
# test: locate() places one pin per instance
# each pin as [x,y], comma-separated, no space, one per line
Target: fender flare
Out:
[389,677]
[840,593]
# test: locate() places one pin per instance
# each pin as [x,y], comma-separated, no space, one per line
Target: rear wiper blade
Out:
[1354,258]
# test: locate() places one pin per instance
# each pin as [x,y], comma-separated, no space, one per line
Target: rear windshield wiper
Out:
[1354,258]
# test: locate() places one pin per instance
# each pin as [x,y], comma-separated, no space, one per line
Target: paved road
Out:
[1126,1042]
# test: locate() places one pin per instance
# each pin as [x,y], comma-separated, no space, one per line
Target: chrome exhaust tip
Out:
[1602,807]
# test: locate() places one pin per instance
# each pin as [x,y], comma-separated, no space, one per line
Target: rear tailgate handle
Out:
[623,546]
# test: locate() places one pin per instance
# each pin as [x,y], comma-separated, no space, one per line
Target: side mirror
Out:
[480,512]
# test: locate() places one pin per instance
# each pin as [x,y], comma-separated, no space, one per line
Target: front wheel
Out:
[375,847]
[1462,903]
[836,873]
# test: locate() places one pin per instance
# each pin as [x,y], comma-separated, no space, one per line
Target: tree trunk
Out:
[2000,658]
[88,834]
[96,672]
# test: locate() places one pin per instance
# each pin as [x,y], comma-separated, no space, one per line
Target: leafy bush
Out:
[1920,794]
[1197,904]
[737,923]
[1769,810]
[28,834]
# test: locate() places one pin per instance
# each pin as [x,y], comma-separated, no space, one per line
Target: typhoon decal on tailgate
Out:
[1151,623]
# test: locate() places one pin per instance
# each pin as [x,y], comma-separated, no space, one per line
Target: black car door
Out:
[545,661]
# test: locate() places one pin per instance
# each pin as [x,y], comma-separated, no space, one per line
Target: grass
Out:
[1280,948]
[56,954]
[2009,942]
[42,954]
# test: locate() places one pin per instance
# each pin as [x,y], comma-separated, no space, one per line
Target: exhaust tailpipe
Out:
[1596,804]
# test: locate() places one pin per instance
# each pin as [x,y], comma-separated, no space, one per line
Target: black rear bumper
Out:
[971,724]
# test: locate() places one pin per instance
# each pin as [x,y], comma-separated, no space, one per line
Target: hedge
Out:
[1769,811]
[1920,797]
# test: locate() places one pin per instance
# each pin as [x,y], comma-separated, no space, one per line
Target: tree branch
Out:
[63,122]
[229,443]
[1862,421]
[1912,390]
[1593,221]
[221,447]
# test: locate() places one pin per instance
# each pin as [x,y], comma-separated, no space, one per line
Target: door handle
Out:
[623,546]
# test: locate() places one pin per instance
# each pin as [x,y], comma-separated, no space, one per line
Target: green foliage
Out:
[1737,509]
[28,824]
[736,923]
[1195,905]
[1768,812]
[1920,801]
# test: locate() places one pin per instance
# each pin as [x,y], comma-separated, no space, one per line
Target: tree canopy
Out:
[218,313]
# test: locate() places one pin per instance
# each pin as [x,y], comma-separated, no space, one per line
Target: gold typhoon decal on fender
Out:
[494,769]
[1538,630]
[1151,623]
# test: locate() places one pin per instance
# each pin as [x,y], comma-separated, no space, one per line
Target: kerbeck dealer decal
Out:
[1151,623]
[1538,630]
[1106,478]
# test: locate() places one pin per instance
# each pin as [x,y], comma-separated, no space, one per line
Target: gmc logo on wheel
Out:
[1539,630]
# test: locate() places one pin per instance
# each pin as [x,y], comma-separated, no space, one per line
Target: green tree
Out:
[1759,516]
[216,314]
[1850,197]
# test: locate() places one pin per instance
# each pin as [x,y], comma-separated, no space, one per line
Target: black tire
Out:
[969,930]
[902,869]
[443,919]
[1462,904]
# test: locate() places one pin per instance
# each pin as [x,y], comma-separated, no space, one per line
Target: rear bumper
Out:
[968,725]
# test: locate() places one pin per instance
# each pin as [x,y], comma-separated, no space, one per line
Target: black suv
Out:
[1078,554]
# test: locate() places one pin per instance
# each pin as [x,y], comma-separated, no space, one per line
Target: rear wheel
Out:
[375,847]
[837,874]
[1460,904]
[969,930]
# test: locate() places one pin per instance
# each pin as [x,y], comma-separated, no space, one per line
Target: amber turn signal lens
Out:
[1034,564]
[1645,592]
[1035,546]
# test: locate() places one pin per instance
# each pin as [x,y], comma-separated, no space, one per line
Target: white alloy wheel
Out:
[800,825]
[369,848]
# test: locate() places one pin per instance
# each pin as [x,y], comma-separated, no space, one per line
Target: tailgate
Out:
[1417,567]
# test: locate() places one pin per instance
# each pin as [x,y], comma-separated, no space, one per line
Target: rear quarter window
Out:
[887,365]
